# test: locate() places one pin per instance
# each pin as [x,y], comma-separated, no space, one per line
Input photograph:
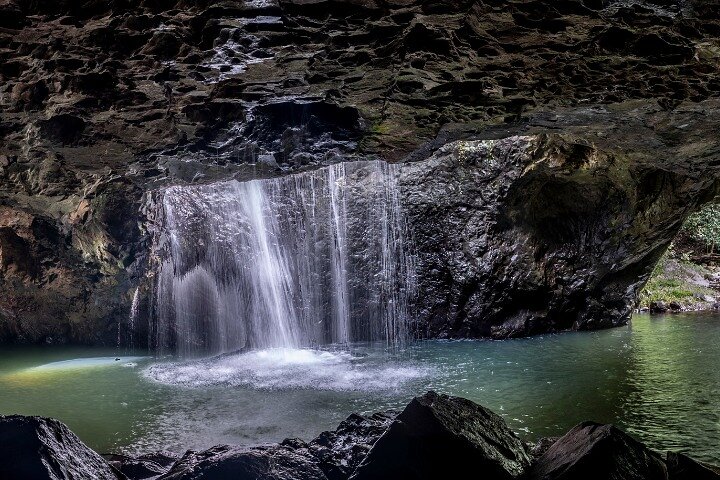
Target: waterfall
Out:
[304,260]
[134,312]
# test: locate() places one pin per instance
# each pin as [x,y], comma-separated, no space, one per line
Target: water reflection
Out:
[674,375]
[658,379]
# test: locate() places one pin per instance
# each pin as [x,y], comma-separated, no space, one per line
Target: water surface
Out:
[658,378]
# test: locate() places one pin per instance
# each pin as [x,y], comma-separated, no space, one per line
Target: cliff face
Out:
[101,102]
[531,234]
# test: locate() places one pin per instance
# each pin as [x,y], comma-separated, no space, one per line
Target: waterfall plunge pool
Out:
[657,378]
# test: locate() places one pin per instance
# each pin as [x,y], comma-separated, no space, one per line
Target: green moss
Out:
[676,281]
[381,128]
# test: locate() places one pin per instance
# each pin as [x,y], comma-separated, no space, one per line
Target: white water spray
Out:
[299,261]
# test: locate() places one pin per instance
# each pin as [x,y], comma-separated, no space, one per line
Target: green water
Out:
[658,379]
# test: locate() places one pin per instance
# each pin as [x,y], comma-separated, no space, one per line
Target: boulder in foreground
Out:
[438,436]
[591,451]
[682,467]
[44,448]
[277,462]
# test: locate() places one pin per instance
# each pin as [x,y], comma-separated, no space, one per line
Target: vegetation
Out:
[677,280]
[677,277]
[704,227]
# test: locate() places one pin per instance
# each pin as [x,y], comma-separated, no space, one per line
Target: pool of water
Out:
[658,378]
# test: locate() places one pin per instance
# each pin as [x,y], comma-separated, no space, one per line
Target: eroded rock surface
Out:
[682,467]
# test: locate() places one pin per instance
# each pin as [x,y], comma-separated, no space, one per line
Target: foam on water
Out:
[285,368]
[84,363]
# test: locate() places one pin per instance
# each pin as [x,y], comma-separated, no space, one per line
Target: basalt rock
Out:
[682,467]
[261,463]
[101,102]
[143,467]
[598,452]
[43,448]
[340,451]
[435,436]
[439,436]
[530,234]
[332,455]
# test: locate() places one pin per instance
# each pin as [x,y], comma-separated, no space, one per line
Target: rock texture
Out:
[530,234]
[435,436]
[682,467]
[598,452]
[333,455]
[339,452]
[43,448]
[101,102]
[262,463]
[438,436]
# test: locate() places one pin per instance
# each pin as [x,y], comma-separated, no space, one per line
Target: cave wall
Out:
[533,234]
[103,102]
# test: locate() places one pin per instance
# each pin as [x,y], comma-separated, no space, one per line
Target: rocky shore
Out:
[434,436]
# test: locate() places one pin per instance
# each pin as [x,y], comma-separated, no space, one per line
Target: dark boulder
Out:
[438,436]
[143,467]
[541,446]
[43,448]
[658,307]
[591,451]
[340,451]
[138,469]
[277,462]
[682,467]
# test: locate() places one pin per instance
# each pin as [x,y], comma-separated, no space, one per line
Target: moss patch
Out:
[678,281]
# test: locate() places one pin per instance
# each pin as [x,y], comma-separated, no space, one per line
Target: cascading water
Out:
[134,312]
[298,261]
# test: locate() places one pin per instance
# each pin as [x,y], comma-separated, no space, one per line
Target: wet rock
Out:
[682,467]
[340,451]
[438,436]
[516,236]
[261,463]
[43,448]
[675,306]
[591,451]
[136,469]
[146,466]
[541,446]
[658,307]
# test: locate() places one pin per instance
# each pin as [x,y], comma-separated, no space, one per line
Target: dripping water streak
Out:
[134,312]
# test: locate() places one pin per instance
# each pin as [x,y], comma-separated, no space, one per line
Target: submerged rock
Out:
[591,451]
[658,307]
[43,448]
[438,436]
